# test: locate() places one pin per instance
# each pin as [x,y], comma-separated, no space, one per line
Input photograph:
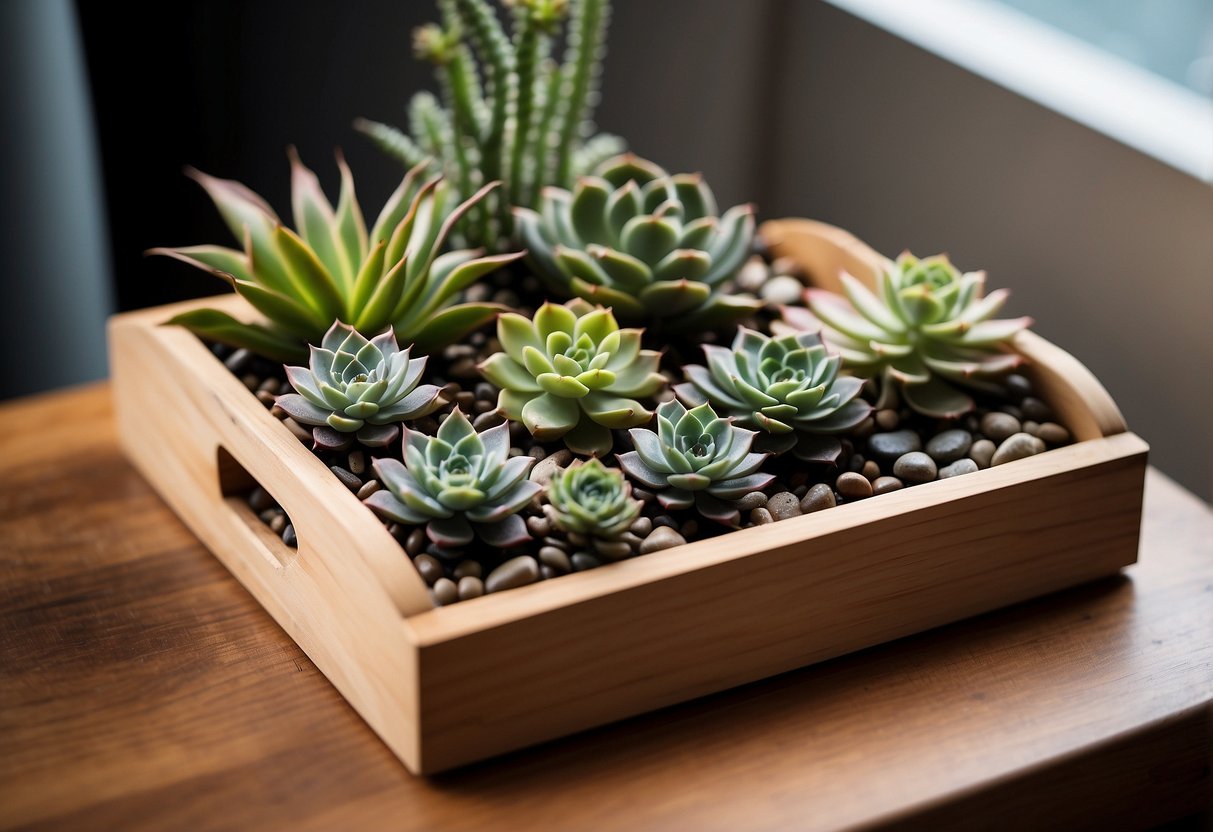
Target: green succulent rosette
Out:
[572,373]
[695,458]
[787,386]
[331,268]
[590,499]
[928,332]
[647,244]
[459,483]
[354,388]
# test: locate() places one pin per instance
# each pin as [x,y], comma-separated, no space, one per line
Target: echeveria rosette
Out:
[459,483]
[926,329]
[590,499]
[645,243]
[331,268]
[695,458]
[572,373]
[358,388]
[787,387]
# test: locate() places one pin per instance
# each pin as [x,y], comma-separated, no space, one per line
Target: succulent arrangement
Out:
[491,410]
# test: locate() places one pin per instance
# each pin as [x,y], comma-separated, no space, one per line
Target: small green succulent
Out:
[784,386]
[925,330]
[695,458]
[331,269]
[355,388]
[647,244]
[592,500]
[461,484]
[572,373]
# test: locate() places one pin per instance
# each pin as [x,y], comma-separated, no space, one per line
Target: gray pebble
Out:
[470,587]
[885,448]
[468,569]
[1036,410]
[752,275]
[1018,385]
[238,360]
[998,426]
[546,573]
[515,572]
[349,480]
[612,549]
[761,516]
[982,452]
[784,505]
[781,289]
[429,567]
[582,561]
[259,500]
[289,538]
[887,419]
[960,466]
[555,558]
[538,526]
[949,446]
[751,501]
[1030,427]
[1011,410]
[1052,433]
[816,498]
[547,467]
[665,520]
[662,537]
[484,421]
[446,592]
[641,526]
[915,467]
[854,486]
[884,485]
[1017,446]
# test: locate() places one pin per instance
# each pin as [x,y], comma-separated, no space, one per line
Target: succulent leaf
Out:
[591,499]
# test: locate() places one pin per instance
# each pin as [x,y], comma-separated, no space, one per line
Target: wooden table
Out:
[142,687]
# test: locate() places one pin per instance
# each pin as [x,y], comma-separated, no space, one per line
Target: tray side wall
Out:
[809,597]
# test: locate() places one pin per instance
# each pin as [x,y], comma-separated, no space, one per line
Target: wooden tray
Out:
[446,686]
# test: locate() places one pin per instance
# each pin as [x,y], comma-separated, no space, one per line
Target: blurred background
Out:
[1066,146]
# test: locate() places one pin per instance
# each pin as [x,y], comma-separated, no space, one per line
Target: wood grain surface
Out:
[142,688]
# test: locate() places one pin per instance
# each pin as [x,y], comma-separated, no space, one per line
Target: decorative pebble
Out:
[278,524]
[1011,410]
[415,543]
[468,569]
[547,467]
[870,469]
[816,498]
[955,469]
[266,398]
[297,430]
[238,360]
[854,486]
[538,525]
[555,558]
[515,572]
[349,480]
[887,419]
[1052,433]
[662,537]
[368,488]
[546,573]
[259,500]
[665,520]
[884,485]
[761,516]
[1017,386]
[885,448]
[752,275]
[781,289]
[998,426]
[949,446]
[1036,410]
[613,549]
[429,567]
[289,538]
[641,526]
[356,462]
[1030,427]
[583,560]
[690,528]
[982,452]
[470,587]
[1017,446]
[784,505]
[446,592]
[915,467]
[487,420]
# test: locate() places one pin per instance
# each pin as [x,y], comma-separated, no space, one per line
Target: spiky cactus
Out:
[508,111]
[355,388]
[332,269]
[927,331]
[695,458]
[572,373]
[460,484]
[785,386]
[647,244]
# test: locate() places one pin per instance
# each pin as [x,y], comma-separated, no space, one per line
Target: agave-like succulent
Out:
[647,244]
[695,458]
[572,373]
[358,388]
[785,386]
[926,329]
[592,500]
[331,269]
[461,484]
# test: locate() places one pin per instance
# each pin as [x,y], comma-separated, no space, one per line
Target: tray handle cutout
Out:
[235,486]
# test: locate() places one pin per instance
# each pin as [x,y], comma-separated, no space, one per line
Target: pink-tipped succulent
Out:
[927,332]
